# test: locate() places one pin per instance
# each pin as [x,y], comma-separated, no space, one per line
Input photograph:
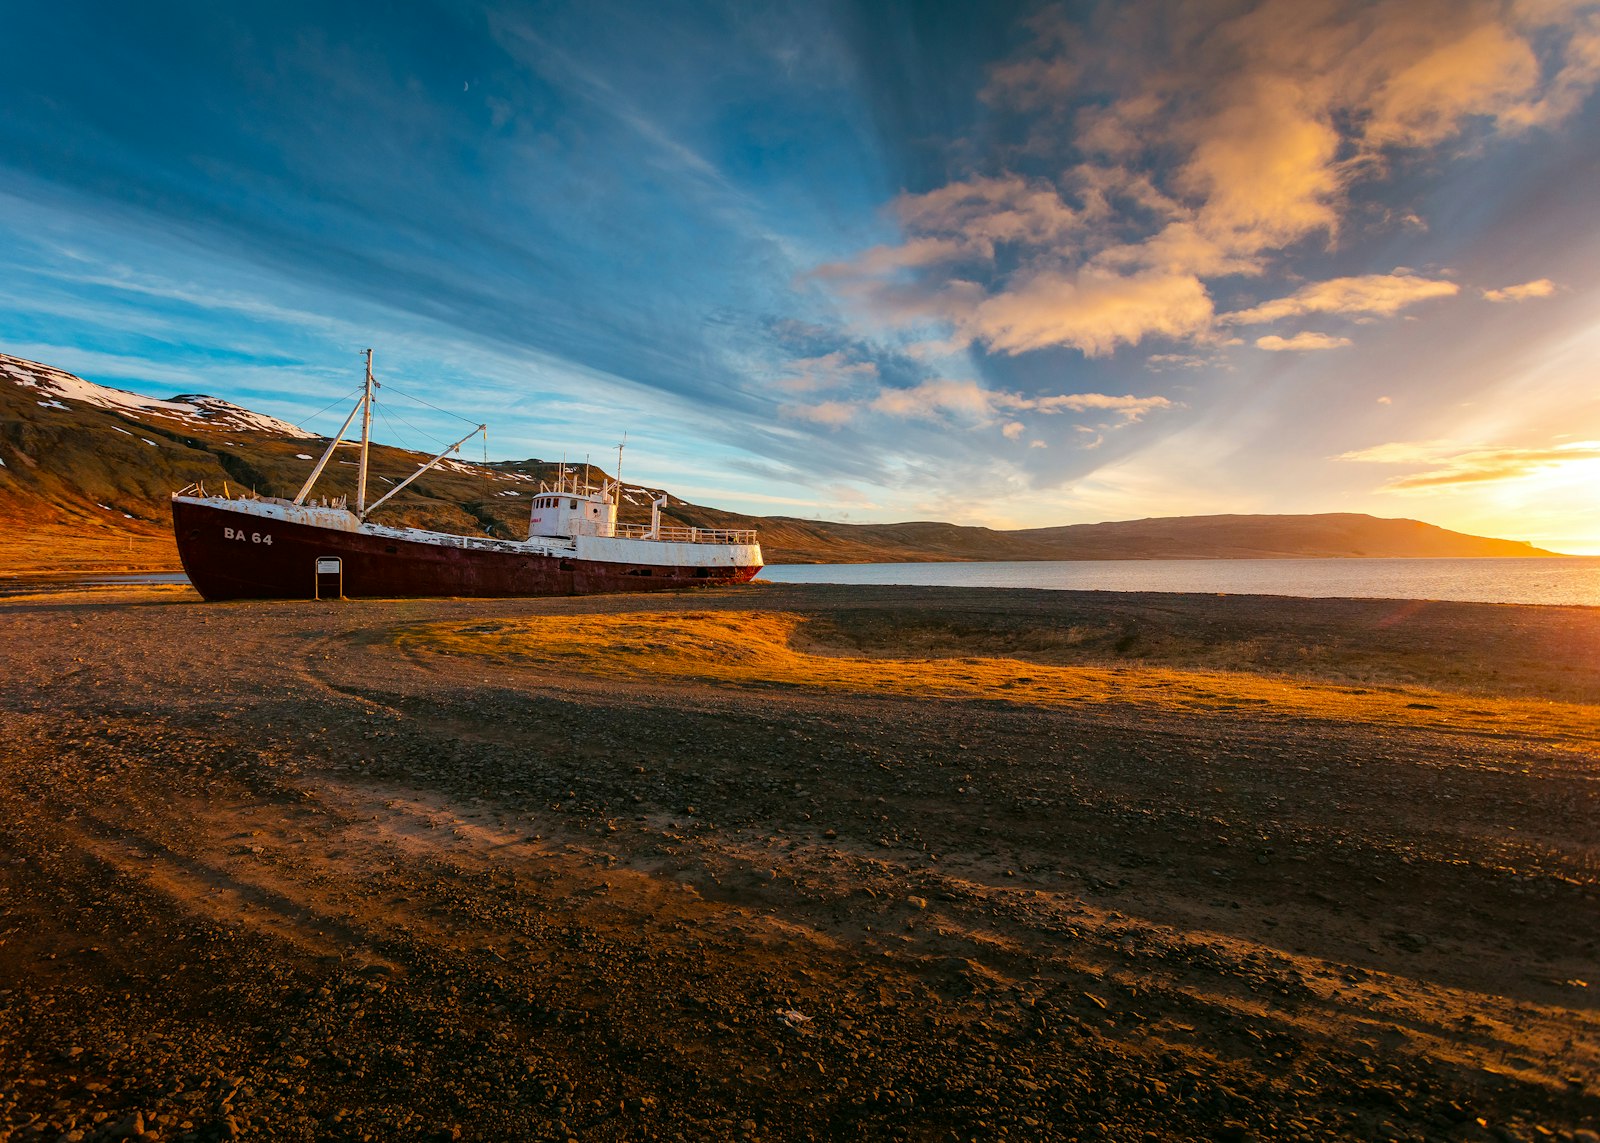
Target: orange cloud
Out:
[1263,168]
[1380,294]
[993,211]
[1131,408]
[1490,69]
[1092,310]
[1301,341]
[1447,463]
[1210,149]
[1538,288]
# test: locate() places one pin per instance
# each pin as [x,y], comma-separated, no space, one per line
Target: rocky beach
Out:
[798,863]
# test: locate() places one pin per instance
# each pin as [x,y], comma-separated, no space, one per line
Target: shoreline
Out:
[23,583]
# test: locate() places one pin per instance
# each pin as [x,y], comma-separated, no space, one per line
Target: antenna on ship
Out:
[366,440]
[620,447]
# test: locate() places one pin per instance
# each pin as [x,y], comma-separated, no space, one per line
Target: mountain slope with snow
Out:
[57,389]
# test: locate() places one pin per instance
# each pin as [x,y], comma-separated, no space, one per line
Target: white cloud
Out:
[970,402]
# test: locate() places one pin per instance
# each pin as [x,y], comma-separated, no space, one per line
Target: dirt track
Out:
[265,874]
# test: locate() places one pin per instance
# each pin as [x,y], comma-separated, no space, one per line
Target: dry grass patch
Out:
[1553,656]
[773,649]
[37,550]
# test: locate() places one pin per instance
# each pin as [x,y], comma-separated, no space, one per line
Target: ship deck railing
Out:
[686,535]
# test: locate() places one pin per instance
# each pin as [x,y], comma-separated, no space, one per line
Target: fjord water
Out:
[1573,580]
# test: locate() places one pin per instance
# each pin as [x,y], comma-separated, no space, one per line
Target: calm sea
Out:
[1560,581]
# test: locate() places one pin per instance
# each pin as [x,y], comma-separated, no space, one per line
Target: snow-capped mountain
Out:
[58,389]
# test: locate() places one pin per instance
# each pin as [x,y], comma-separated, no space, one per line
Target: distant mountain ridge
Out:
[89,464]
[1331,535]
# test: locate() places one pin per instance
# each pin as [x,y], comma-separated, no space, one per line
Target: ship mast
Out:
[366,440]
[364,407]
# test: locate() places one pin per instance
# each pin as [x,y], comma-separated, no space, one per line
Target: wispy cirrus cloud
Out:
[971,403]
[831,414]
[1538,288]
[825,371]
[1449,463]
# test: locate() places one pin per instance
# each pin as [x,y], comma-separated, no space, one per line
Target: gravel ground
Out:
[263,875]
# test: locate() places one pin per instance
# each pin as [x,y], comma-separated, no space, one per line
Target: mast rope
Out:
[435,408]
[388,424]
[337,401]
[413,428]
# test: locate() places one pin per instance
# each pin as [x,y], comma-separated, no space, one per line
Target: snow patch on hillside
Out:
[197,410]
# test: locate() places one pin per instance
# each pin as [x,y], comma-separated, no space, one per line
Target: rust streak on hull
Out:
[390,567]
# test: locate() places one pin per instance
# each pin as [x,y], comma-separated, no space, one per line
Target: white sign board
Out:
[328,565]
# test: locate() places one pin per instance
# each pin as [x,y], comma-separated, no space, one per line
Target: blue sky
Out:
[1012,264]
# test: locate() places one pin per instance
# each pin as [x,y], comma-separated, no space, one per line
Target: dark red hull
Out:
[244,567]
